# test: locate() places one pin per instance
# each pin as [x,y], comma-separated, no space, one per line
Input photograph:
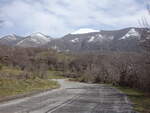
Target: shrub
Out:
[1,66]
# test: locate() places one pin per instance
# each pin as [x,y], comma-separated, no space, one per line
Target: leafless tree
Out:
[145,36]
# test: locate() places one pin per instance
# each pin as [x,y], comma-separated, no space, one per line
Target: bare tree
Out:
[145,36]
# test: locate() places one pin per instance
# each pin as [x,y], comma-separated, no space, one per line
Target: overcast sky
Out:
[59,17]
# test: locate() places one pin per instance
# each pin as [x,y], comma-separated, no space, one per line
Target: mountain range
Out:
[82,40]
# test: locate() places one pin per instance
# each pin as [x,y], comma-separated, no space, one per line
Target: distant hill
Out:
[82,40]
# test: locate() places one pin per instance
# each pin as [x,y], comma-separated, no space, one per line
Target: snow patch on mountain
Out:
[100,37]
[111,37]
[84,31]
[131,33]
[96,38]
[37,34]
[91,39]
[36,38]
[10,37]
[19,43]
[75,40]
[148,38]
[56,48]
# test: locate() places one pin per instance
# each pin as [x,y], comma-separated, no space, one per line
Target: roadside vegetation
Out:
[55,74]
[25,70]
[128,69]
[140,100]
[13,83]
[12,87]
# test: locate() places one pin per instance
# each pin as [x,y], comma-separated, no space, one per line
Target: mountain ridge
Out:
[126,39]
[33,40]
[100,41]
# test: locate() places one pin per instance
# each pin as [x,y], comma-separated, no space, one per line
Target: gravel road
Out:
[72,97]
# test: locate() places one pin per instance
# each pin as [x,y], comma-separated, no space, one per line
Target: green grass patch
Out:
[11,71]
[140,99]
[78,79]
[12,87]
[56,77]
[55,74]
[64,57]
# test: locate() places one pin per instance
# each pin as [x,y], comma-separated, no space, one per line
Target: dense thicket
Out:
[126,69]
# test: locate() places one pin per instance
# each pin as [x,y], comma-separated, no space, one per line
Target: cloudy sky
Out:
[59,17]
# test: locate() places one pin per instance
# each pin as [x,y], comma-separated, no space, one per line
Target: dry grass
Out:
[140,99]
[11,85]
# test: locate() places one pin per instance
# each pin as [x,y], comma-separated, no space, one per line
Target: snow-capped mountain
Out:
[34,40]
[10,37]
[84,40]
[131,34]
[84,31]
[10,40]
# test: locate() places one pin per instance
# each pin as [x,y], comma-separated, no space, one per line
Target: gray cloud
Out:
[56,18]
